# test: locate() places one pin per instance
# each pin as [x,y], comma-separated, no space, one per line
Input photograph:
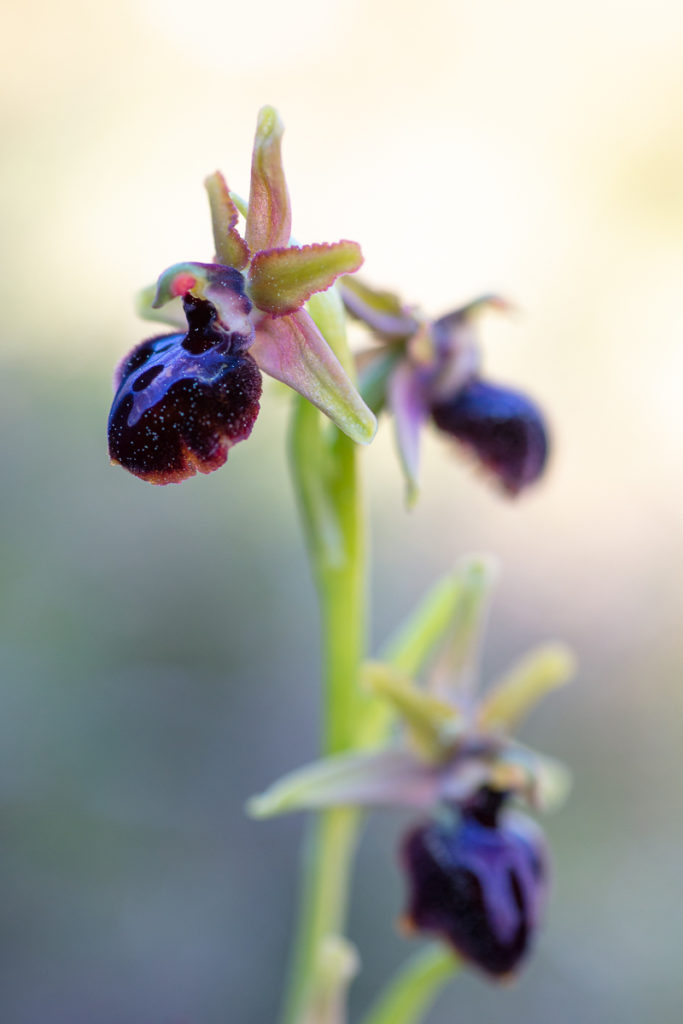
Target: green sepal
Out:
[538,673]
[455,674]
[292,349]
[385,778]
[269,220]
[326,309]
[427,719]
[380,310]
[410,650]
[375,367]
[281,280]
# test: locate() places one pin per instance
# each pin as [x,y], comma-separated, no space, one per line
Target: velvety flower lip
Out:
[478,880]
[183,400]
[504,429]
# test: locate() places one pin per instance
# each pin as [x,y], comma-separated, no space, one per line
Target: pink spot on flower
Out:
[182,284]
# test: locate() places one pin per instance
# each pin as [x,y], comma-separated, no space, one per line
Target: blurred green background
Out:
[158,646]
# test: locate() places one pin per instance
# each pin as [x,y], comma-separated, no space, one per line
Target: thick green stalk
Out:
[325,472]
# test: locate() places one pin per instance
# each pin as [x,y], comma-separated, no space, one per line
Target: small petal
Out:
[269,221]
[388,778]
[425,717]
[478,884]
[292,349]
[503,428]
[231,249]
[539,672]
[407,400]
[182,401]
[452,331]
[281,280]
[546,782]
[382,311]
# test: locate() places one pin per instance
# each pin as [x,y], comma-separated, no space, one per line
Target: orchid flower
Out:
[477,873]
[184,399]
[424,370]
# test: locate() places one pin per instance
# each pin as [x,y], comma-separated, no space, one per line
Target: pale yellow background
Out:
[534,149]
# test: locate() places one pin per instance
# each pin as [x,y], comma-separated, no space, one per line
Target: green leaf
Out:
[538,673]
[410,994]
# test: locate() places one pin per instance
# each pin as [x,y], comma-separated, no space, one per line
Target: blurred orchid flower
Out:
[183,399]
[457,759]
[478,879]
[431,369]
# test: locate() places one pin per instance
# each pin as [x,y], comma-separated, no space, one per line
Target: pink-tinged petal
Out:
[222,286]
[388,778]
[231,249]
[269,222]
[382,311]
[408,404]
[455,339]
[281,280]
[292,349]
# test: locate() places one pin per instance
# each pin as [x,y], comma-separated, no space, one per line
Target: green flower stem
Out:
[325,473]
[410,994]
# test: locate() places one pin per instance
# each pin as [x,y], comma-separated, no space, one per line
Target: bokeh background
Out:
[158,647]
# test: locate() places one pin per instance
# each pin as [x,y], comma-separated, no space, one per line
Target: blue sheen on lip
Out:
[183,400]
[479,884]
[504,429]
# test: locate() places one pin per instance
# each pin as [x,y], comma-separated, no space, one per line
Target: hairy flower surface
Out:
[182,400]
[426,370]
[478,879]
